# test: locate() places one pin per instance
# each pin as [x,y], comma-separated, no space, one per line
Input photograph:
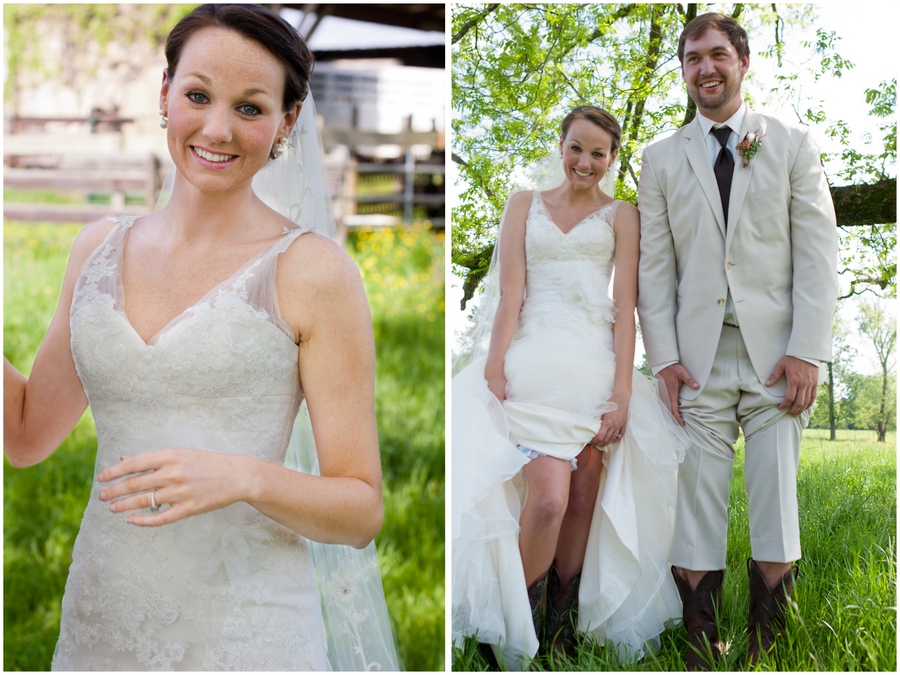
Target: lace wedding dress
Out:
[226,590]
[560,369]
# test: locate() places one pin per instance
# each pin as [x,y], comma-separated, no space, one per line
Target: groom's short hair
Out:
[698,26]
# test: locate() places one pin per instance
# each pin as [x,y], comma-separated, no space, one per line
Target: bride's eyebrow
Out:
[247,92]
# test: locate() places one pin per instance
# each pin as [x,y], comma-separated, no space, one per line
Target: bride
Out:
[195,334]
[563,458]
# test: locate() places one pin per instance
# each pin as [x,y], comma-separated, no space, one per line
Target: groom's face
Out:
[713,72]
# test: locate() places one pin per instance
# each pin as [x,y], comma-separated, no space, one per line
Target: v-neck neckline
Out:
[120,282]
[565,233]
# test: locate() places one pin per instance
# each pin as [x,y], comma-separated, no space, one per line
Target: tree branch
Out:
[866,204]
[471,23]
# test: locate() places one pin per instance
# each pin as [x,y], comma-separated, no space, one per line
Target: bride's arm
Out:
[41,410]
[511,258]
[625,289]
[321,296]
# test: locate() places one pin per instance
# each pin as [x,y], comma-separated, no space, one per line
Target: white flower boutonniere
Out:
[750,145]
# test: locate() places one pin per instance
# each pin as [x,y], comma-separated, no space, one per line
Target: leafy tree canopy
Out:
[518,68]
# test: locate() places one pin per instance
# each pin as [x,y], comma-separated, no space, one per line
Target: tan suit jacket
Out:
[777,255]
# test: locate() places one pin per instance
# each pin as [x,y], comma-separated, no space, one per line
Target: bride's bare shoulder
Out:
[317,282]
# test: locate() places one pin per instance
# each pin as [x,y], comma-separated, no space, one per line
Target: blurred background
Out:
[81,140]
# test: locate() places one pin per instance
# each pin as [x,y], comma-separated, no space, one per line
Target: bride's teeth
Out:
[212,157]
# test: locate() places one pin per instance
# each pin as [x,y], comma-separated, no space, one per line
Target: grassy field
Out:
[43,505]
[846,595]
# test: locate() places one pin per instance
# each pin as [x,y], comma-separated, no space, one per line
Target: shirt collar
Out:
[734,122]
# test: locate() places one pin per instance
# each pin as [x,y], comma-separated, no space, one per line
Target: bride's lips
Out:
[212,160]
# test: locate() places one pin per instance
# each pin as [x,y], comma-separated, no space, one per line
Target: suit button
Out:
[728,266]
[720,302]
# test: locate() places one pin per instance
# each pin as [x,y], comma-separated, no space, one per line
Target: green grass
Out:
[846,595]
[43,505]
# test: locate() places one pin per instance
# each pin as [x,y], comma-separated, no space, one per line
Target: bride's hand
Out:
[187,481]
[612,424]
[497,385]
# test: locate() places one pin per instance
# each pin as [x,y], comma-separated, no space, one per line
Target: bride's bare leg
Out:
[548,492]
[576,524]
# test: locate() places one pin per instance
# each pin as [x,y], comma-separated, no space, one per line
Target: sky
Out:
[866,41]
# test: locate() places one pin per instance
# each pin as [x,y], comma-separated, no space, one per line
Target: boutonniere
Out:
[750,145]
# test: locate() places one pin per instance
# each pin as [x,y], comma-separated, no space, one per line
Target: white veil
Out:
[544,174]
[360,637]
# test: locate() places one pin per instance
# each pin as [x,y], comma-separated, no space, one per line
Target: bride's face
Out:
[224,105]
[586,154]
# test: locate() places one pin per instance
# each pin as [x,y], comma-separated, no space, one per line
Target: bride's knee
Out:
[548,507]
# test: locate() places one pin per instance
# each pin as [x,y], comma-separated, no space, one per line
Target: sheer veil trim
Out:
[360,637]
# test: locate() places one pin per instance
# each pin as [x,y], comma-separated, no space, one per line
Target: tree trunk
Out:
[832,423]
[882,417]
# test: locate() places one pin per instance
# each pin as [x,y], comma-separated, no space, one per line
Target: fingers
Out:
[802,384]
[684,376]
[776,374]
[672,388]
[612,429]
[141,482]
[142,463]
[135,502]
[164,517]
[673,377]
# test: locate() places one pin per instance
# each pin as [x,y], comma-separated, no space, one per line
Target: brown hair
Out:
[698,26]
[597,116]
[254,23]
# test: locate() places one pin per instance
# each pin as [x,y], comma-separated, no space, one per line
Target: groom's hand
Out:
[673,377]
[802,383]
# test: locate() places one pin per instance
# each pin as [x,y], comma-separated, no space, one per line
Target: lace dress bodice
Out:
[226,590]
[567,274]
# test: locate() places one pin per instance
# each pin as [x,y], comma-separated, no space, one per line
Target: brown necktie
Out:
[724,167]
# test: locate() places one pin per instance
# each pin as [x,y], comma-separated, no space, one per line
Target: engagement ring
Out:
[153,507]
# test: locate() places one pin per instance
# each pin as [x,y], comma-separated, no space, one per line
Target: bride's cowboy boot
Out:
[699,609]
[562,614]
[537,598]
[767,609]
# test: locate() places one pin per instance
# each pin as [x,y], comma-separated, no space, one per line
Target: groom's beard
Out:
[731,88]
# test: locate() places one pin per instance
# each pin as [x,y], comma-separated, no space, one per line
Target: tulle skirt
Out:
[627,596]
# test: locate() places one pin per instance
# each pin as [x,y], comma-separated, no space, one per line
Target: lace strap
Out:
[261,290]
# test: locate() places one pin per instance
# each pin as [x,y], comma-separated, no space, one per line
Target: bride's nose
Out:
[217,126]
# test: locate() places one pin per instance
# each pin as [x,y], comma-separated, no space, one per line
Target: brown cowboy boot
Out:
[767,610]
[562,614]
[699,609]
[537,598]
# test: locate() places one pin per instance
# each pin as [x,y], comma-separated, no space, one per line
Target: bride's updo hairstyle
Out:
[254,23]
[597,116]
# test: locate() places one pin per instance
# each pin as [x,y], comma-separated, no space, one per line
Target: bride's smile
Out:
[225,109]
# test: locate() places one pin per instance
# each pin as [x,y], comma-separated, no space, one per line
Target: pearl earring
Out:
[279,148]
[163,119]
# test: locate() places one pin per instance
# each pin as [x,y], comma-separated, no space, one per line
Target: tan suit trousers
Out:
[734,398]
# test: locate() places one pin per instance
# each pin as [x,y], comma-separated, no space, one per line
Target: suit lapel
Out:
[741,181]
[698,156]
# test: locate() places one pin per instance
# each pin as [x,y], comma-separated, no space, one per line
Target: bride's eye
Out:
[197,97]
[250,110]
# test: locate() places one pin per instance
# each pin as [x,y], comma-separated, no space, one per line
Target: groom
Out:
[737,289]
